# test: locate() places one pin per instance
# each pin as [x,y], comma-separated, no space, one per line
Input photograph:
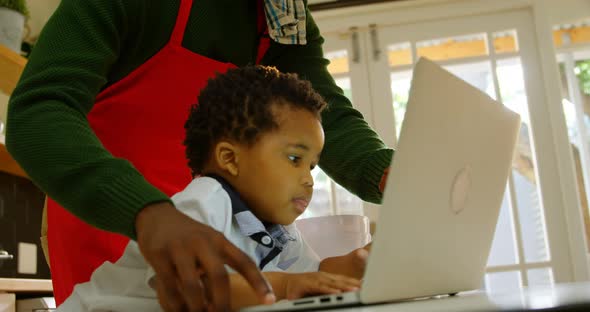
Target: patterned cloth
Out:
[286,21]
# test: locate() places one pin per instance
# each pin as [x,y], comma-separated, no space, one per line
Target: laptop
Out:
[442,199]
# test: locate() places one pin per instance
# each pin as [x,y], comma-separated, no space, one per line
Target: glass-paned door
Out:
[498,54]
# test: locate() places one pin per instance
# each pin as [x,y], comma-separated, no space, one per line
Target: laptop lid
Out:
[444,190]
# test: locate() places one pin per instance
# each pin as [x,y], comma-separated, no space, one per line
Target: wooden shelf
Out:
[9,165]
[21,285]
[11,67]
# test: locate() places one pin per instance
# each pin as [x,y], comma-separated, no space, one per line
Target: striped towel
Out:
[286,21]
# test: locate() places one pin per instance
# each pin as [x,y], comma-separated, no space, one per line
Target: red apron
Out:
[140,118]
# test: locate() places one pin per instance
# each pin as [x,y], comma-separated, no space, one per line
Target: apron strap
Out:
[262,28]
[181,21]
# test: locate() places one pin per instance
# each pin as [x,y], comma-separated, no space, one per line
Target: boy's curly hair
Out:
[237,105]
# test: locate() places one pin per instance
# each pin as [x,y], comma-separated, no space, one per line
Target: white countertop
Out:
[20,285]
[533,298]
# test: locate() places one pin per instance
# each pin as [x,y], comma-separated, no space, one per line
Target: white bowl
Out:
[331,236]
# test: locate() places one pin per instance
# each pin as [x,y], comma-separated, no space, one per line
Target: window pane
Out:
[321,201]
[503,281]
[478,75]
[505,42]
[504,250]
[338,62]
[577,33]
[532,222]
[344,84]
[534,237]
[453,48]
[347,203]
[510,76]
[399,54]
[400,89]
[540,277]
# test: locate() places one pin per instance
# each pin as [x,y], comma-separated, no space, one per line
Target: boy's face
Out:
[275,172]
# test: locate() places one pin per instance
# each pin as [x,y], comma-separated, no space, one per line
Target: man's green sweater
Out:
[88,45]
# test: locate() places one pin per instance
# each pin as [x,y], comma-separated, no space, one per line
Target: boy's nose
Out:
[308,178]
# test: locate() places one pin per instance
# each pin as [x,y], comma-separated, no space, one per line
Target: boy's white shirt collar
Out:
[272,238]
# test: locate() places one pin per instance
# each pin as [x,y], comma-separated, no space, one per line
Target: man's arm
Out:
[47,130]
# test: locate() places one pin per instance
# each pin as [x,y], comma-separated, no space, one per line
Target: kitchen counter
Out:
[8,164]
[22,285]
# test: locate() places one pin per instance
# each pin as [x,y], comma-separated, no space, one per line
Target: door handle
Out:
[375,42]
[356,48]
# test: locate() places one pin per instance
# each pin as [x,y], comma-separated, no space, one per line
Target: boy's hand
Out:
[188,258]
[318,283]
[352,264]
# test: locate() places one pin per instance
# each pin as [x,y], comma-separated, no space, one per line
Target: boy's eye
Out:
[294,159]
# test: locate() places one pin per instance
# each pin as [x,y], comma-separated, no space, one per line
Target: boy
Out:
[251,143]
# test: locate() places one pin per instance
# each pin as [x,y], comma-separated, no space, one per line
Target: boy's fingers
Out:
[362,253]
[342,281]
[311,288]
[326,289]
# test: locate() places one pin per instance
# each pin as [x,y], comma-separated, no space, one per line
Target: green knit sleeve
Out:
[47,130]
[354,155]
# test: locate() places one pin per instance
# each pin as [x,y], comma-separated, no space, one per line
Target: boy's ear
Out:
[226,156]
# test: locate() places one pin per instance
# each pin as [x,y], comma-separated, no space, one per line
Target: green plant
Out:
[583,73]
[16,5]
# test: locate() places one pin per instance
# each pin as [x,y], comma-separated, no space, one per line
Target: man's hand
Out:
[188,258]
